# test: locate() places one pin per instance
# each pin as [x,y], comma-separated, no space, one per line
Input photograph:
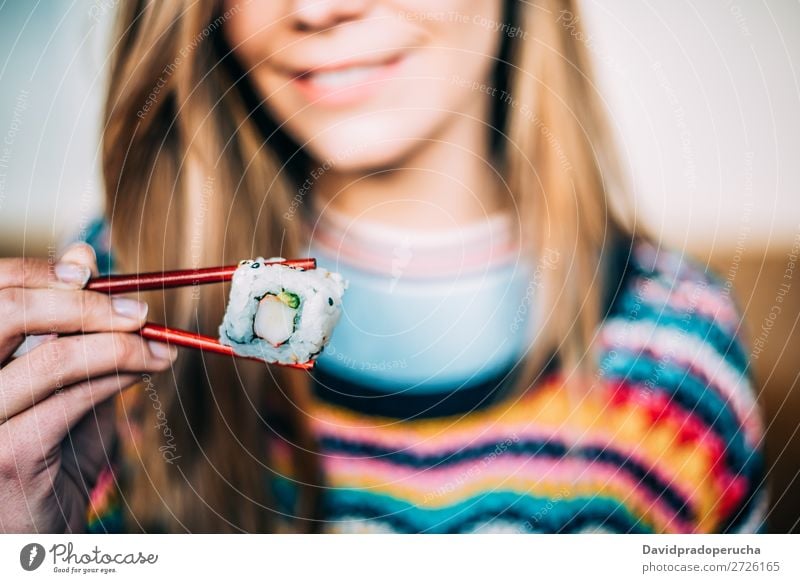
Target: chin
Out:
[372,157]
[367,143]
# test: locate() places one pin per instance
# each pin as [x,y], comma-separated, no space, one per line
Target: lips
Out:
[344,82]
[343,77]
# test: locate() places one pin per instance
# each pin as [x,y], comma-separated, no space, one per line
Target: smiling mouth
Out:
[344,77]
[346,83]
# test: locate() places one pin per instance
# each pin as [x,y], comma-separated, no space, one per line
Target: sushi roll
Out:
[281,314]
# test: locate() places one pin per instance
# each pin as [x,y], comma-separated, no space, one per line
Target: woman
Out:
[512,357]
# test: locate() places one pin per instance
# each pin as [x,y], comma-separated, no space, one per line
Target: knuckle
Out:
[28,269]
[127,349]
[8,465]
[72,352]
[10,300]
[92,303]
[54,353]
[21,271]
[16,269]
[7,471]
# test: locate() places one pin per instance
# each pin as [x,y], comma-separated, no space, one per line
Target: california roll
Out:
[281,314]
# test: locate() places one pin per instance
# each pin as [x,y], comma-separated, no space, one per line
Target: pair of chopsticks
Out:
[116,284]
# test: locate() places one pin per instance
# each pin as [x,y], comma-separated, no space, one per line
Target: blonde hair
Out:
[192,180]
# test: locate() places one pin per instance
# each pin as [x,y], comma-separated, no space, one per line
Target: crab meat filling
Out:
[275,317]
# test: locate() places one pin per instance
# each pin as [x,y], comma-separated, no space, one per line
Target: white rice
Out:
[320,292]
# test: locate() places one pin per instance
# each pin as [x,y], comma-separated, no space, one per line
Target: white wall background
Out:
[51,54]
[704,96]
[706,99]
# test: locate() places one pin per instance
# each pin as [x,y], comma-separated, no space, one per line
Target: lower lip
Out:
[347,94]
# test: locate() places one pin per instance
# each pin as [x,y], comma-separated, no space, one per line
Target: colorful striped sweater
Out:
[666,438]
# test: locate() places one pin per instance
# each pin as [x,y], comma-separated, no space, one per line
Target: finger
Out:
[91,440]
[72,271]
[28,272]
[65,361]
[49,311]
[33,436]
[81,254]
[25,311]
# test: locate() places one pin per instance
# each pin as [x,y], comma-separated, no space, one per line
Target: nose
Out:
[321,14]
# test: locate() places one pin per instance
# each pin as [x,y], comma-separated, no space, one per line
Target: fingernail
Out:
[129,308]
[163,351]
[72,273]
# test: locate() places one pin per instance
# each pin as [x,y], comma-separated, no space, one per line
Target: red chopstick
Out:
[115,284]
[206,343]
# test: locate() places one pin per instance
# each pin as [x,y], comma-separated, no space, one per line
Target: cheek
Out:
[252,27]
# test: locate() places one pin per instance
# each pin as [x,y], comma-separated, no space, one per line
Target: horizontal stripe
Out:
[687,352]
[685,391]
[673,444]
[534,415]
[565,516]
[707,330]
[690,296]
[447,252]
[547,449]
[438,488]
[408,405]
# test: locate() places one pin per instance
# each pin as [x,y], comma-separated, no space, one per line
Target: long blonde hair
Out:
[196,175]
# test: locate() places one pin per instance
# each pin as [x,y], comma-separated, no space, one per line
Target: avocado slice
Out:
[290,299]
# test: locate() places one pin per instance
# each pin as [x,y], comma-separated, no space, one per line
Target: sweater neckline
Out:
[380,248]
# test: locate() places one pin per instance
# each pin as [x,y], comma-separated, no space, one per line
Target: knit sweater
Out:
[666,436]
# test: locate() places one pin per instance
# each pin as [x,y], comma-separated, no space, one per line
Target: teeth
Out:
[343,77]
